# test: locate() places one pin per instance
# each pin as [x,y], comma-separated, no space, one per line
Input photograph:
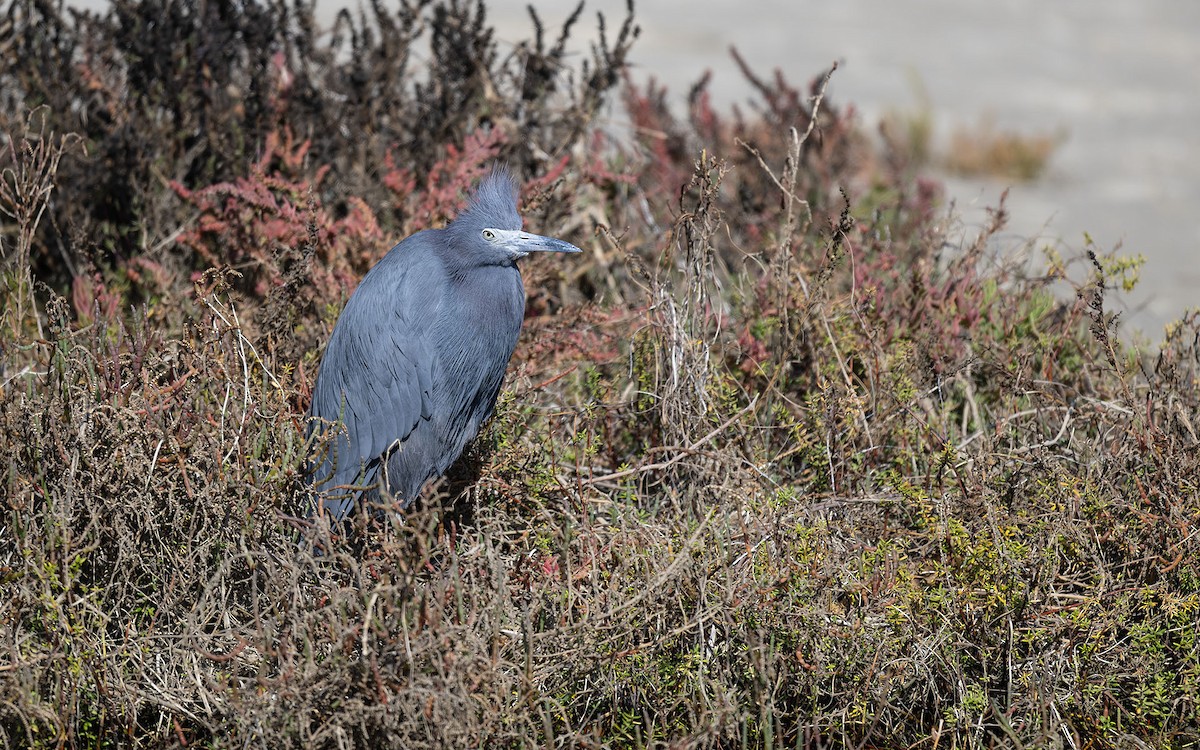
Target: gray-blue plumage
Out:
[417,357]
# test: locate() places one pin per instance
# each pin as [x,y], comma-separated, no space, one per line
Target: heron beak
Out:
[524,243]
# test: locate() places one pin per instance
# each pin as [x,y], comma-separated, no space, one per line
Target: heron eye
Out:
[489,234]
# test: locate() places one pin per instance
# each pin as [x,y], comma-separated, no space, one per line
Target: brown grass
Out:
[781,463]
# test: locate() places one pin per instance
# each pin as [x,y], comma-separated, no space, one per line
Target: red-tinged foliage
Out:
[92,300]
[438,197]
[781,460]
[245,224]
[573,335]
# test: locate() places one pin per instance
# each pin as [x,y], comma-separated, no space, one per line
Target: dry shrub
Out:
[782,462]
[984,151]
[187,92]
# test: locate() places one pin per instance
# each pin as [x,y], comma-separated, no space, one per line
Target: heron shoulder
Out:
[405,279]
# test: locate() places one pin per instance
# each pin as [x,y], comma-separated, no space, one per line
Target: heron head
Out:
[489,229]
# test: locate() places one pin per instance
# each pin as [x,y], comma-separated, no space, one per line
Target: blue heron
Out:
[415,361]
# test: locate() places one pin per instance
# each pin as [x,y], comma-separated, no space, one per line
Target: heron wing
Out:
[374,385]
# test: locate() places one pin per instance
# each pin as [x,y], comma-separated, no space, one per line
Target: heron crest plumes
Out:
[493,204]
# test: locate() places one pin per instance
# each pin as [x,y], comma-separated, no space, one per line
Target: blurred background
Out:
[1107,90]
[1086,109]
